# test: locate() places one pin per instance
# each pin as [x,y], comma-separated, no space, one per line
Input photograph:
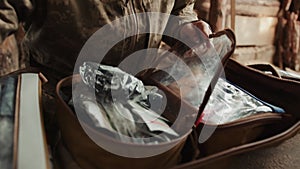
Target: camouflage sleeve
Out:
[184,12]
[12,12]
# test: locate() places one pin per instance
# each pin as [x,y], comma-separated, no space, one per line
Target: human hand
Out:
[195,32]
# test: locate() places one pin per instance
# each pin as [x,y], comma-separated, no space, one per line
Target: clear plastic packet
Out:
[229,103]
[191,76]
[123,105]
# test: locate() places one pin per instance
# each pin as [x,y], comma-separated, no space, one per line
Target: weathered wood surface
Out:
[220,12]
[254,31]
[250,54]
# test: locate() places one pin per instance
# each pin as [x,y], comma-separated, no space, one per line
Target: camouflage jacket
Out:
[56,30]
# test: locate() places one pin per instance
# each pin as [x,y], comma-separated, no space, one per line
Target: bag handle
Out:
[266,67]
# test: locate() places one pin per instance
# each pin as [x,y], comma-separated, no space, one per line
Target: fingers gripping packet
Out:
[123,105]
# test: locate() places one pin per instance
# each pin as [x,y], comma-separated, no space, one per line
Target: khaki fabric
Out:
[57,29]
[9,54]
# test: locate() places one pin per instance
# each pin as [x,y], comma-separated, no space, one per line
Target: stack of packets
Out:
[120,103]
[229,103]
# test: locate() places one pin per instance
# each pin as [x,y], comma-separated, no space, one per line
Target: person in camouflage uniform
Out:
[57,29]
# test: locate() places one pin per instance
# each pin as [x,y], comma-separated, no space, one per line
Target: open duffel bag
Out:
[161,140]
[214,137]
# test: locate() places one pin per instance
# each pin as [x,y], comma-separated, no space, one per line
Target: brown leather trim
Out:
[230,34]
[41,82]
[42,78]
[62,83]
[16,125]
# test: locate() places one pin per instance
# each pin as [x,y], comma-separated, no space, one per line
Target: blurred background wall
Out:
[266,30]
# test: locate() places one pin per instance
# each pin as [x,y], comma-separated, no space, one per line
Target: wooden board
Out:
[262,54]
[243,7]
[254,31]
[256,10]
